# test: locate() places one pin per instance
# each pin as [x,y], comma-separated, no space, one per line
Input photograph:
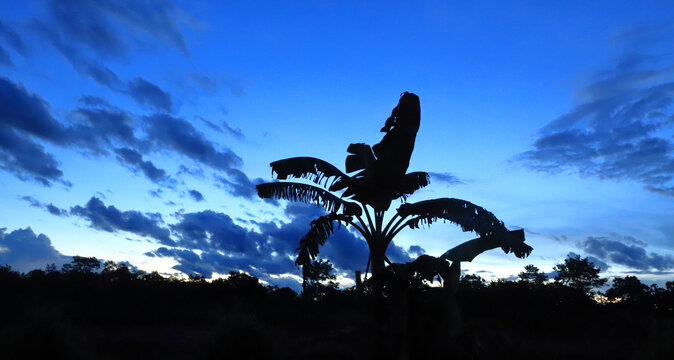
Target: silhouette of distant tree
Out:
[580,274]
[628,288]
[532,275]
[317,279]
[81,264]
[381,178]
[471,281]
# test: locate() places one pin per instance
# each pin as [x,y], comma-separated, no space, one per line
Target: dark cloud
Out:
[416,250]
[48,207]
[168,132]
[238,184]
[446,178]
[209,230]
[5,59]
[28,113]
[622,130]
[236,132]
[147,93]
[631,254]
[90,100]
[196,195]
[96,128]
[155,193]
[210,124]
[135,160]
[602,265]
[110,219]
[13,40]
[142,91]
[25,251]
[27,160]
[82,64]
[110,27]
[211,242]
[179,135]
[213,83]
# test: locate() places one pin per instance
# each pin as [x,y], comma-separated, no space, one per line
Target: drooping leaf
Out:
[509,241]
[321,229]
[308,194]
[316,170]
[467,215]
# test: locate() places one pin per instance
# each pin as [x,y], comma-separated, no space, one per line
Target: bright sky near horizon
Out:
[136,130]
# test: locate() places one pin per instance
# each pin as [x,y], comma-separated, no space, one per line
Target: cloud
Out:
[109,27]
[147,93]
[142,91]
[168,132]
[602,265]
[631,254]
[236,132]
[179,135]
[13,40]
[213,83]
[96,128]
[416,250]
[49,207]
[91,100]
[238,184]
[211,242]
[196,195]
[446,178]
[28,113]
[27,160]
[110,219]
[5,59]
[25,251]
[210,124]
[622,130]
[135,160]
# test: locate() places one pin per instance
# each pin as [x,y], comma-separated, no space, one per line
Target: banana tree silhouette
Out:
[382,178]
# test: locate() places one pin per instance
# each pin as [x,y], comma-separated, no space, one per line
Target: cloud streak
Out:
[623,130]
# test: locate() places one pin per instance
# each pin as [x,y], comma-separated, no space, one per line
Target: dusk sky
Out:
[137,130]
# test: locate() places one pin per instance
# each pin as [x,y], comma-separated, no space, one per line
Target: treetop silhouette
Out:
[381,178]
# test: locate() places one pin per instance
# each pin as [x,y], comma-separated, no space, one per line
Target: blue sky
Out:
[136,130]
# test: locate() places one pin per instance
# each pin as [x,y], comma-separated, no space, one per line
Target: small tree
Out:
[81,264]
[580,274]
[532,275]
[471,281]
[318,279]
[629,288]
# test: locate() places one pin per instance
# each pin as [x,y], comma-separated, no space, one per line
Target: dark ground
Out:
[107,316]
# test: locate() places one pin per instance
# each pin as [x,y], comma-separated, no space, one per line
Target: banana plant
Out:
[361,201]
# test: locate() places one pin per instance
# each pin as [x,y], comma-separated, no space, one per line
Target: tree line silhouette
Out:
[92,309]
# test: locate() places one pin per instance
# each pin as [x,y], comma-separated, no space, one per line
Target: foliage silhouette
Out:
[532,275]
[579,274]
[381,178]
[102,316]
[317,279]
[628,288]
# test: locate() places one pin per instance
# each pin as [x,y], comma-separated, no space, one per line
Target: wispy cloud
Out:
[623,129]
